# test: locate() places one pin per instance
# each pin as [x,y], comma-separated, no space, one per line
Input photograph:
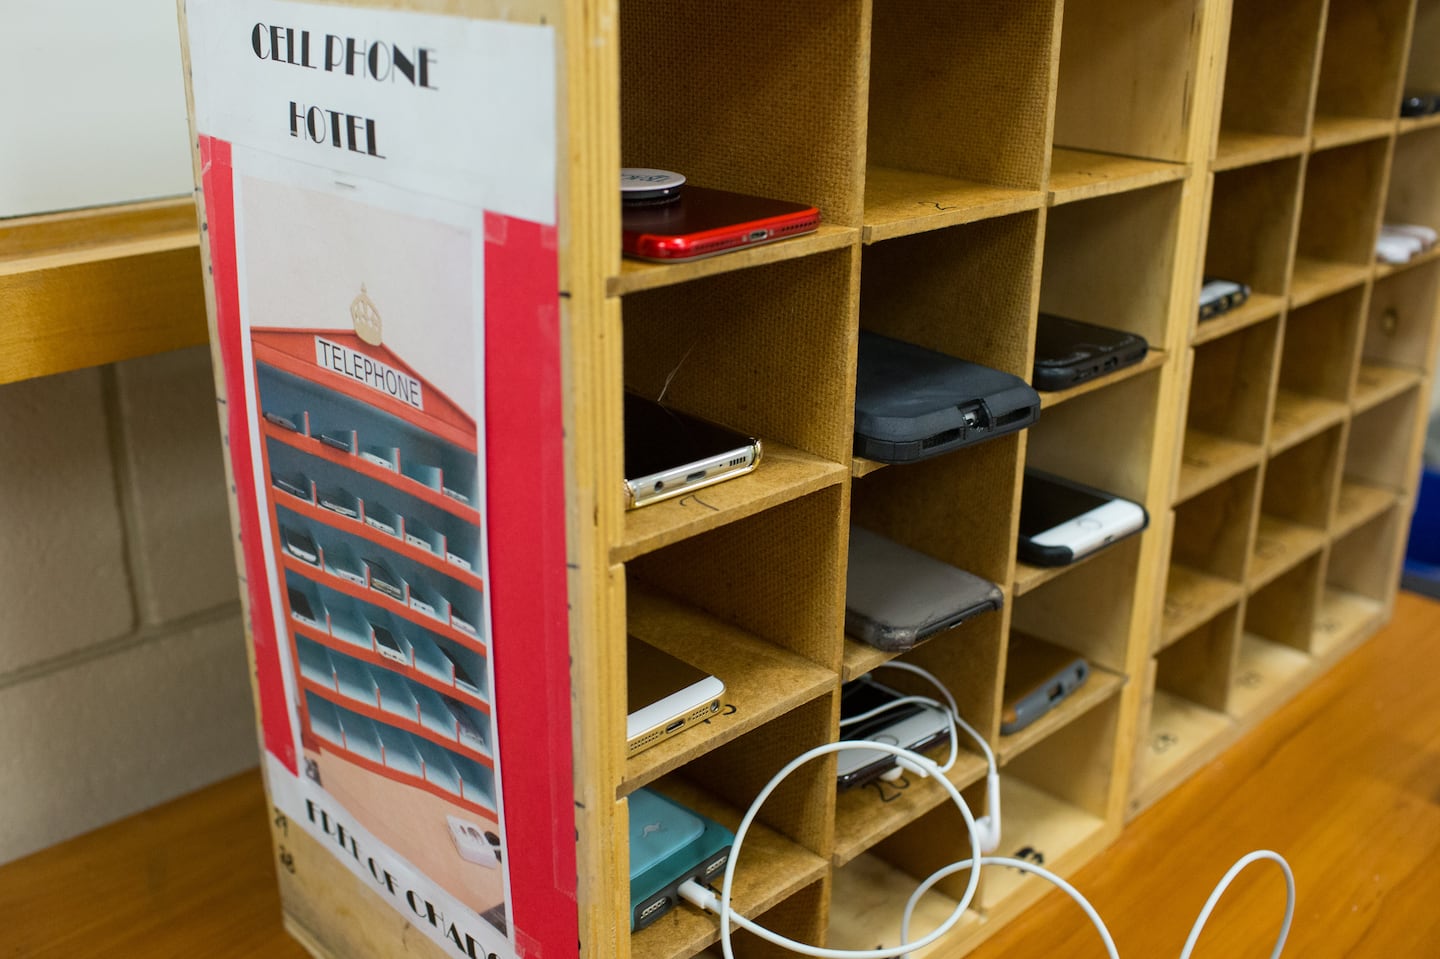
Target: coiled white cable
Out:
[698,895]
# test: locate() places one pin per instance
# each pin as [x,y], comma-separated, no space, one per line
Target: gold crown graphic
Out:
[365,317]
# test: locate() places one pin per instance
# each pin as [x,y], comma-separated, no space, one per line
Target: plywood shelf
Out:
[902,202]
[1280,545]
[1299,416]
[1182,737]
[99,286]
[1314,279]
[1378,382]
[1238,148]
[1154,359]
[761,680]
[1266,675]
[1343,617]
[1193,598]
[1209,460]
[636,275]
[1259,307]
[1337,131]
[1047,824]
[870,895]
[1359,503]
[1083,174]
[784,474]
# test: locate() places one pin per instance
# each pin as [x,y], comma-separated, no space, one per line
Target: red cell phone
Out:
[703,222]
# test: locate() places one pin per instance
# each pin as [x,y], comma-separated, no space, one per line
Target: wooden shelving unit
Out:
[1323,404]
[1097,169]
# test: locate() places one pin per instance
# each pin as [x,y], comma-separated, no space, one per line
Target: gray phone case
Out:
[896,596]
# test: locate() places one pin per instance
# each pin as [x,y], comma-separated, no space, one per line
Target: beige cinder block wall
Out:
[122,668]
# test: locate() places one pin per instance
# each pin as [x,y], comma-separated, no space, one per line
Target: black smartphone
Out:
[1062,521]
[915,726]
[284,422]
[296,484]
[912,403]
[300,606]
[1068,352]
[299,544]
[668,453]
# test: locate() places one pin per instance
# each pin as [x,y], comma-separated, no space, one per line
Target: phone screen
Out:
[658,438]
[1045,504]
[862,695]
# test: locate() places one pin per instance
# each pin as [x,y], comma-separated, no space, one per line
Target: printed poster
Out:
[380,209]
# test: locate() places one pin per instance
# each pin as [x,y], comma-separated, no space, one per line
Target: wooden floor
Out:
[1345,782]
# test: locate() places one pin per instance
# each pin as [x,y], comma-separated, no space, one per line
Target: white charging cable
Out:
[988,824]
[696,894]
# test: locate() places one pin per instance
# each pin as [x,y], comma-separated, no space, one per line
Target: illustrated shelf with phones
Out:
[374,531]
[1269,83]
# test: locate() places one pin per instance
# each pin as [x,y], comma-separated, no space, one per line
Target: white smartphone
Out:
[665,695]
[1062,521]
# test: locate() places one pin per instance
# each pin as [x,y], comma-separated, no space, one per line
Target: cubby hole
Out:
[1187,707]
[756,603]
[1079,441]
[1414,195]
[1055,799]
[1360,70]
[961,508]
[1339,215]
[787,847]
[1109,261]
[1252,229]
[966,291]
[1104,46]
[1399,334]
[1273,660]
[715,92]
[1269,80]
[1380,459]
[1295,506]
[870,890]
[800,916]
[967,660]
[723,348]
[1089,611]
[1422,74]
[1229,406]
[1317,365]
[956,138]
[1360,581]
[1283,611]
[1210,545]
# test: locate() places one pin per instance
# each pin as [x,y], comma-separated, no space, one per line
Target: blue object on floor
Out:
[1422,553]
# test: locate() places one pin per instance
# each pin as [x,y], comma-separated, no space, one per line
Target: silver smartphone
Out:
[669,453]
